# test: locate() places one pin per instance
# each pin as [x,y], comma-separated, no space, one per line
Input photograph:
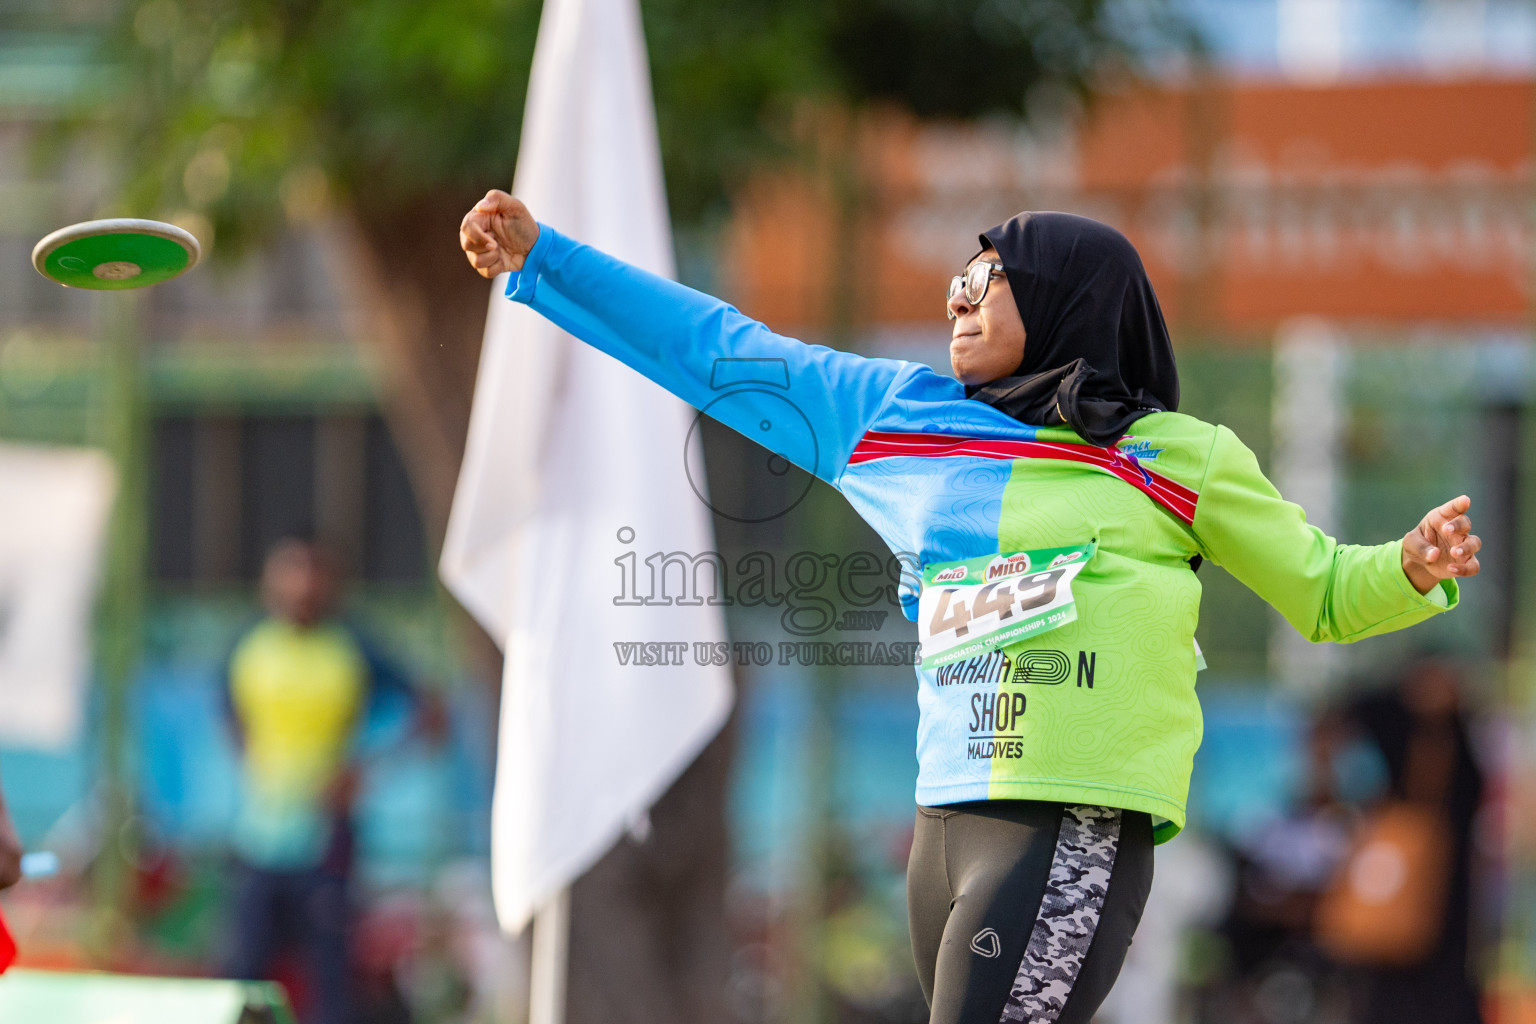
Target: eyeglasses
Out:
[977,276]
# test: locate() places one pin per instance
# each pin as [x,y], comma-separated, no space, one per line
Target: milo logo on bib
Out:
[978,605]
[1013,565]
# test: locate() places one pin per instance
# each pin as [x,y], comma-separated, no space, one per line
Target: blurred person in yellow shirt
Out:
[302,685]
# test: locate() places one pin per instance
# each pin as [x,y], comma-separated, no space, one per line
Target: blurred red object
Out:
[7,946]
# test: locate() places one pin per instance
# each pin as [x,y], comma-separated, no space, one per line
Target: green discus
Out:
[110,255]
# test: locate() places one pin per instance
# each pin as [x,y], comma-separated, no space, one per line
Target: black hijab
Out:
[1096,350]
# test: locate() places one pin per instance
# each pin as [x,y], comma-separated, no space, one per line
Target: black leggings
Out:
[1022,910]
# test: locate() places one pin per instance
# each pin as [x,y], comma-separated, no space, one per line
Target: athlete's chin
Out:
[962,361]
[969,375]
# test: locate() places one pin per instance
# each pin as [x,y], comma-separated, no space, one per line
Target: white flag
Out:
[53,513]
[576,470]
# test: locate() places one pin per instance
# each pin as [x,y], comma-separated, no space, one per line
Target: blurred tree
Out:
[388,118]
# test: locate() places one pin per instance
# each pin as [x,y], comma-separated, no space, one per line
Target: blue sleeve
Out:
[807,403]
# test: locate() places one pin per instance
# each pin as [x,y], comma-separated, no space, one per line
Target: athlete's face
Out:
[988,338]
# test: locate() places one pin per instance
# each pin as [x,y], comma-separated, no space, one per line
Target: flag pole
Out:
[126,424]
[551,954]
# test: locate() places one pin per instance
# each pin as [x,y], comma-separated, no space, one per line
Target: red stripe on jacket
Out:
[1174,497]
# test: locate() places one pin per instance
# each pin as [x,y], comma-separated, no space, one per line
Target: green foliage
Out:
[247,112]
[727,76]
[964,58]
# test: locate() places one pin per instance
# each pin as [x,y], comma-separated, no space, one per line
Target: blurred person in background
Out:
[1270,969]
[1038,805]
[301,687]
[10,874]
[1419,731]
[10,847]
[1402,745]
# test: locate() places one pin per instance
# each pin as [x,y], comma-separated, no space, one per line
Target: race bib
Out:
[976,606]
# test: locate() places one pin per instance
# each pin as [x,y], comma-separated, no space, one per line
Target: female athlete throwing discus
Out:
[1057,506]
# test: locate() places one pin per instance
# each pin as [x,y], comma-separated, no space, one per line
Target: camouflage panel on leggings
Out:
[1069,914]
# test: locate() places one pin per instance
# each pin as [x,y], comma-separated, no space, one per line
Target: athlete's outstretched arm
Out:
[692,344]
[1327,590]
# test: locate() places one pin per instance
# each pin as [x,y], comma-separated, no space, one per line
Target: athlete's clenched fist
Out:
[497,234]
[1442,546]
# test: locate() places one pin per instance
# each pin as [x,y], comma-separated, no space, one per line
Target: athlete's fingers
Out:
[1468,547]
[1419,548]
[482,249]
[483,219]
[1438,517]
[482,253]
[498,212]
[1469,568]
[497,233]
[478,240]
[1456,528]
[497,201]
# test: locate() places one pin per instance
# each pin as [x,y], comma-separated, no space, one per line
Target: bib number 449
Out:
[970,608]
[1004,599]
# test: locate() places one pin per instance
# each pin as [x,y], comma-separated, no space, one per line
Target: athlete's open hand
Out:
[1442,546]
[497,234]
